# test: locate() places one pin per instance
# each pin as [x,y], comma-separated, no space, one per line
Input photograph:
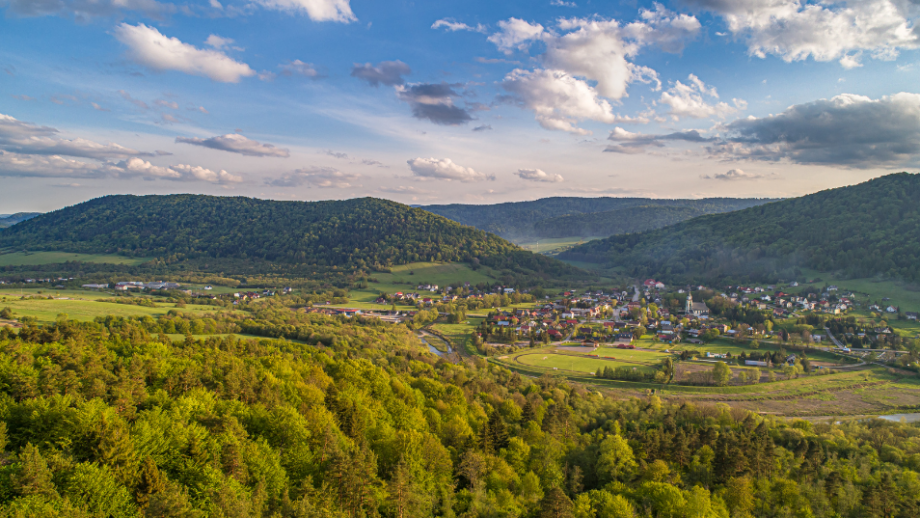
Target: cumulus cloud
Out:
[218,42]
[299,68]
[558,100]
[317,10]
[54,166]
[847,130]
[85,9]
[516,34]
[29,139]
[828,30]
[587,62]
[434,102]
[538,175]
[687,100]
[446,169]
[322,177]
[634,143]
[387,73]
[236,143]
[453,26]
[732,176]
[147,47]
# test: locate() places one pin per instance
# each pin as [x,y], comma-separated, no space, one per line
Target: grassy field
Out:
[407,277]
[34,258]
[575,364]
[46,311]
[553,245]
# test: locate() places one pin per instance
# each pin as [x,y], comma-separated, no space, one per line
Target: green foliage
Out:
[549,217]
[862,231]
[630,220]
[355,419]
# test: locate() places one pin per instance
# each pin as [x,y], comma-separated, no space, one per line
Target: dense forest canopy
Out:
[630,220]
[872,228]
[8,220]
[362,233]
[356,420]
[521,220]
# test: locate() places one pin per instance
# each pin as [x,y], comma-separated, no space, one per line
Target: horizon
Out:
[454,102]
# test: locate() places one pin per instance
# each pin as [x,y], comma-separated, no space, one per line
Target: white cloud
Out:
[236,143]
[732,176]
[322,177]
[559,100]
[588,50]
[445,169]
[298,67]
[538,175]
[217,42]
[828,30]
[28,139]
[516,34]
[317,10]
[686,100]
[453,26]
[166,104]
[563,3]
[154,50]
[54,166]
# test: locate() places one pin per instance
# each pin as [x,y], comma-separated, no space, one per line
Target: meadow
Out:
[36,258]
[47,310]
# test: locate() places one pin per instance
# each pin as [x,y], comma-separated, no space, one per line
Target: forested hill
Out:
[522,220]
[872,228]
[8,220]
[626,221]
[362,233]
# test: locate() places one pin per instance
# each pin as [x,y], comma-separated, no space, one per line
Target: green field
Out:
[575,364]
[553,245]
[902,294]
[35,258]
[46,311]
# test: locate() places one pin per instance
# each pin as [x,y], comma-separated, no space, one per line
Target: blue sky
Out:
[442,102]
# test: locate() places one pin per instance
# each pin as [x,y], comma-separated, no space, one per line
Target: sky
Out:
[453,101]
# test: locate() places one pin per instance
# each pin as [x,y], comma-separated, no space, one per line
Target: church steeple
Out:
[688,309]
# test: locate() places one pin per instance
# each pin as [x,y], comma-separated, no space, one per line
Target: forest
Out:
[191,235]
[863,230]
[356,419]
[631,220]
[547,217]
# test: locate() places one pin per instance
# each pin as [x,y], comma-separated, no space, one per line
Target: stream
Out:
[432,348]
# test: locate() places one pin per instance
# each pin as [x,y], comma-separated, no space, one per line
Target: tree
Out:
[615,460]
[556,504]
[6,314]
[721,374]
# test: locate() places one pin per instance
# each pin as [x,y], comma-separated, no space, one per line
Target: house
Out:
[911,315]
[891,309]
[753,363]
[649,283]
[95,286]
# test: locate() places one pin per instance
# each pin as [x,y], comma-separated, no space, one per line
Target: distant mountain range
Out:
[863,230]
[8,220]
[364,233]
[565,217]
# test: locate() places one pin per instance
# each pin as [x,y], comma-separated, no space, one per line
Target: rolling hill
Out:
[8,220]
[520,221]
[872,228]
[364,233]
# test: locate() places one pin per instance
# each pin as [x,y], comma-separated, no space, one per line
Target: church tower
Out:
[688,310]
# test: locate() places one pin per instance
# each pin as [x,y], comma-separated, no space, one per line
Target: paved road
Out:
[833,338]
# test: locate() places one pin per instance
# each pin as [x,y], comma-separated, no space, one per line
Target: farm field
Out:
[902,294]
[551,245]
[408,276]
[722,346]
[35,258]
[47,311]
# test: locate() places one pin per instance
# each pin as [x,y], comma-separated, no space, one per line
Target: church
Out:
[696,309]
